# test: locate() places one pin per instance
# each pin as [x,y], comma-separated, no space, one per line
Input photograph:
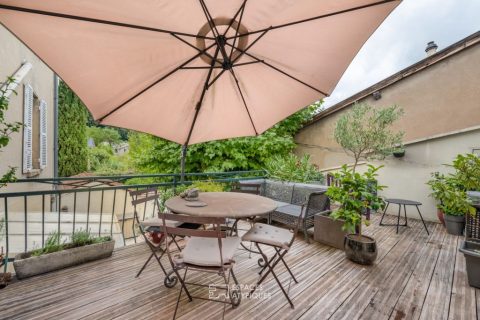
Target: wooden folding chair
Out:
[205,251]
[152,225]
[281,240]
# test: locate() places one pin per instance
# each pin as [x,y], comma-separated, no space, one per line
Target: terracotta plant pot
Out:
[360,249]
[455,224]
[440,217]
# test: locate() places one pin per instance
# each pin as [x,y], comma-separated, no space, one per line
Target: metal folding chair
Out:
[152,225]
[281,240]
[205,251]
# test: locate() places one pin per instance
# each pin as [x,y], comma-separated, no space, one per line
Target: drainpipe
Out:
[55,126]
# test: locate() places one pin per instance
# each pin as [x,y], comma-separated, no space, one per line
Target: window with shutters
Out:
[34,133]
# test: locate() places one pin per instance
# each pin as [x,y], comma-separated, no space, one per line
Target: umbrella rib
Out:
[194,47]
[244,102]
[238,29]
[157,81]
[200,100]
[242,52]
[241,9]
[314,18]
[282,72]
[99,21]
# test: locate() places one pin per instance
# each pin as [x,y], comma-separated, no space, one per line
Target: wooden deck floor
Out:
[415,277]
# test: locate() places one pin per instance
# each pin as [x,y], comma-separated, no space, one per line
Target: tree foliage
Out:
[365,132]
[355,193]
[103,135]
[151,154]
[292,168]
[72,137]
[6,129]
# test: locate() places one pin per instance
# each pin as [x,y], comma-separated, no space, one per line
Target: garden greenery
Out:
[364,132]
[79,239]
[6,129]
[150,154]
[451,190]
[355,193]
[72,133]
[292,168]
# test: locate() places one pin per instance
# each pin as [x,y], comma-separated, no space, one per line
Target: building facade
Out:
[32,150]
[440,96]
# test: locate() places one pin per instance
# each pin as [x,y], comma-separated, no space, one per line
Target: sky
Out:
[401,41]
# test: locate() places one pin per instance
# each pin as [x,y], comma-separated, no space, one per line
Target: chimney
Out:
[431,48]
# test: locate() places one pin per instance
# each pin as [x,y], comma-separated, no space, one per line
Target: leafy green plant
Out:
[150,154]
[79,238]
[52,244]
[208,186]
[364,132]
[103,135]
[356,193]
[291,168]
[72,137]
[451,190]
[6,128]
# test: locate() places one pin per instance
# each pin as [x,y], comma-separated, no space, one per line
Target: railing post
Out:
[6,234]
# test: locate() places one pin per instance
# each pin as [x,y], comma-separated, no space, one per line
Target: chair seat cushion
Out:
[269,235]
[281,204]
[291,209]
[205,251]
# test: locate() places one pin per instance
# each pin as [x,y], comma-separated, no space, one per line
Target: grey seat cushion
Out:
[269,235]
[290,209]
[281,203]
[205,251]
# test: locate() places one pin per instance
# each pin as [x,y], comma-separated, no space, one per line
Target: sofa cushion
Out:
[291,209]
[280,191]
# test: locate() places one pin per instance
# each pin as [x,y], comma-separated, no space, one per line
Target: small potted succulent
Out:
[356,194]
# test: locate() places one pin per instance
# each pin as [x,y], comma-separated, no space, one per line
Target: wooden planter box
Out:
[28,267]
[329,231]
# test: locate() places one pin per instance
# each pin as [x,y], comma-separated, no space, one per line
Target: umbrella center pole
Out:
[226,62]
[182,162]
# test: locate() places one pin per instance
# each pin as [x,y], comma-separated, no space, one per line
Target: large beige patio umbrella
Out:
[192,71]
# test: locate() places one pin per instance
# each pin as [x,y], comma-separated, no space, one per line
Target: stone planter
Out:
[26,266]
[455,224]
[471,251]
[329,231]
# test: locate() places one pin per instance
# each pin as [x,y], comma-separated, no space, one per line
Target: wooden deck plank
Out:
[391,287]
[462,302]
[437,300]
[323,295]
[409,304]
[330,286]
[364,286]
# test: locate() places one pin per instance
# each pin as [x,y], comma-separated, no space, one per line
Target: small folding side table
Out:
[404,203]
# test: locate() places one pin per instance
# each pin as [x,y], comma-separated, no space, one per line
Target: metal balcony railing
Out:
[99,204]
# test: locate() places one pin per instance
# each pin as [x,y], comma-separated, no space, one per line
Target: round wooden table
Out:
[234,205]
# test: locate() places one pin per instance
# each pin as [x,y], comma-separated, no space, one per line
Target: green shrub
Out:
[208,186]
[451,190]
[52,244]
[294,169]
[355,193]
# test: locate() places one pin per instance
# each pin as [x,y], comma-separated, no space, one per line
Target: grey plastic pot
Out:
[455,224]
[471,251]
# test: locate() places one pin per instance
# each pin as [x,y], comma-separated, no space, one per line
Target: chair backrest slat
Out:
[142,191]
[144,199]
[193,219]
[186,232]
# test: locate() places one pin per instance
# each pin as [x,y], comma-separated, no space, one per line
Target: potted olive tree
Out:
[365,133]
[354,195]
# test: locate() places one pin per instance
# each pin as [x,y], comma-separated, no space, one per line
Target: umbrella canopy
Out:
[192,71]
